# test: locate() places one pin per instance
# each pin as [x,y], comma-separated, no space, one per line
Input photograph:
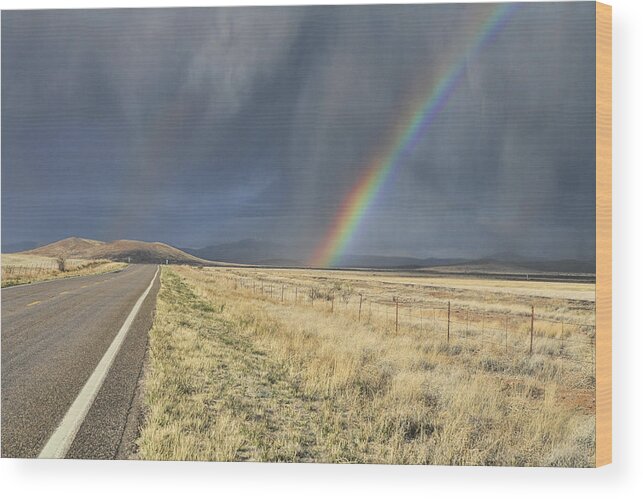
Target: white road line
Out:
[61,440]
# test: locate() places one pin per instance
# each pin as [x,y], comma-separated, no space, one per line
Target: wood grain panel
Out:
[603,234]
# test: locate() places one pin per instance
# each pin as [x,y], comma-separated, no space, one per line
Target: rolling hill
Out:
[251,252]
[120,250]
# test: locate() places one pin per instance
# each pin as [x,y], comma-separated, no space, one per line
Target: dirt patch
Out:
[582,399]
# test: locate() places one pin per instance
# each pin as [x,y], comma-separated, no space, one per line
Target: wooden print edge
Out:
[603,234]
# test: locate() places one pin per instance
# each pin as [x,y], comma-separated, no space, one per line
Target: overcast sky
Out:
[201,126]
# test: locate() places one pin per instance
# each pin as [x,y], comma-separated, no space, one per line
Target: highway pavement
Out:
[72,358]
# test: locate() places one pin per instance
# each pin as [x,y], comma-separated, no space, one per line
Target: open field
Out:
[392,280]
[21,268]
[236,372]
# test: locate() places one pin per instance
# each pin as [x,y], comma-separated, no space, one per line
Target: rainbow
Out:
[405,137]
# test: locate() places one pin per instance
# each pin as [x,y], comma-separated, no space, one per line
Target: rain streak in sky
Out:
[204,126]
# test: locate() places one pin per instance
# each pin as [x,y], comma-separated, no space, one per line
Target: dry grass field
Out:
[286,365]
[19,268]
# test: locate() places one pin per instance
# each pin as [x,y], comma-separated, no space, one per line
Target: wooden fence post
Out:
[531,336]
[506,331]
[282,292]
[397,313]
[448,322]
[562,336]
[359,314]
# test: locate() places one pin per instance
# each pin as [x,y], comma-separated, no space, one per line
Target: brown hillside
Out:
[121,250]
[72,247]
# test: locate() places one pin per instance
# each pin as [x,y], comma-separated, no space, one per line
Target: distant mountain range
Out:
[247,251]
[255,252]
[19,246]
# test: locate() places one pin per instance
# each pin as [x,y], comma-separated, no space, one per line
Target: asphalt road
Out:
[54,334]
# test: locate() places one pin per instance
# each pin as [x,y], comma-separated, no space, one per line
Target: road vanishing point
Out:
[72,358]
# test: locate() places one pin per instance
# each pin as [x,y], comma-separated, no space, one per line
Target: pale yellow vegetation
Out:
[235,373]
[20,268]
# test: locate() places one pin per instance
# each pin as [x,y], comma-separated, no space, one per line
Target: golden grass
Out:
[425,281]
[235,374]
[25,269]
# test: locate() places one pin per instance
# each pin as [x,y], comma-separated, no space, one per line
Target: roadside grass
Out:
[26,269]
[233,376]
[211,394]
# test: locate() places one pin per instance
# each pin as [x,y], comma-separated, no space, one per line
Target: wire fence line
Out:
[515,333]
[34,270]
[43,268]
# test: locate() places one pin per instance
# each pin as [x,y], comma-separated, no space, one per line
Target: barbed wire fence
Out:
[28,271]
[44,268]
[514,333]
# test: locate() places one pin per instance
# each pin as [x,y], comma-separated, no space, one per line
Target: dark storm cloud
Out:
[196,126]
